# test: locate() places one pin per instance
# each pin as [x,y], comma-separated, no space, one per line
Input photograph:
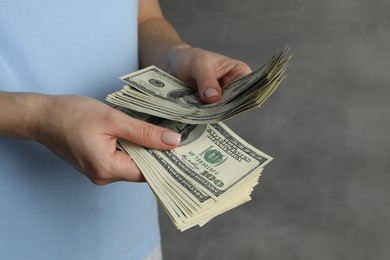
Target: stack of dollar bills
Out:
[213,170]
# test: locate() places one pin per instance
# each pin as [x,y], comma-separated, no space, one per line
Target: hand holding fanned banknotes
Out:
[213,170]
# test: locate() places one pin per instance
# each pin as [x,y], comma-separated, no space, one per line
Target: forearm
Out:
[20,113]
[157,38]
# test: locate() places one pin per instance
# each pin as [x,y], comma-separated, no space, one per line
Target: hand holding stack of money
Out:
[213,170]
[154,92]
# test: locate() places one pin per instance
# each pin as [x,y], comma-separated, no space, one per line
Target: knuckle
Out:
[146,133]
[242,68]
[100,176]
[98,182]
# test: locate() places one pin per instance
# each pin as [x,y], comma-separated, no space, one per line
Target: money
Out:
[155,92]
[213,170]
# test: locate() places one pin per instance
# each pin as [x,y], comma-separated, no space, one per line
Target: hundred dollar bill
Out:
[212,170]
[157,93]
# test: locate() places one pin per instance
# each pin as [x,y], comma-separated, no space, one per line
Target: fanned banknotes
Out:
[154,92]
[213,170]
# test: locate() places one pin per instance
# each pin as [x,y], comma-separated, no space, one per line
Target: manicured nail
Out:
[211,92]
[170,138]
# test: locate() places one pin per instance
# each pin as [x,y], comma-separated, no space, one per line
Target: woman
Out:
[57,60]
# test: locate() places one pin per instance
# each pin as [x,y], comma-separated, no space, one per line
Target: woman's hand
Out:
[83,132]
[209,71]
[161,45]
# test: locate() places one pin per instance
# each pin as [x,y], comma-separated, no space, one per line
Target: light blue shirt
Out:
[47,209]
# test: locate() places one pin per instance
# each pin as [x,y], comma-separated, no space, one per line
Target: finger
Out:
[207,82]
[120,167]
[126,169]
[143,133]
[239,70]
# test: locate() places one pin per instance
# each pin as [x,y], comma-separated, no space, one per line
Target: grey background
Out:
[326,194]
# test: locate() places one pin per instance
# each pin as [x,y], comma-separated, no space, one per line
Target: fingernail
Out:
[211,92]
[170,138]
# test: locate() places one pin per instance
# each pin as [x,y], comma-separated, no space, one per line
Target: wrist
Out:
[21,114]
[39,116]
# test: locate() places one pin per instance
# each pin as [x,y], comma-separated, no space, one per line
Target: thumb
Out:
[144,134]
[208,85]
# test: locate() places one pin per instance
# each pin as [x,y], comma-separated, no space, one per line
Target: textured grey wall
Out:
[326,195]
